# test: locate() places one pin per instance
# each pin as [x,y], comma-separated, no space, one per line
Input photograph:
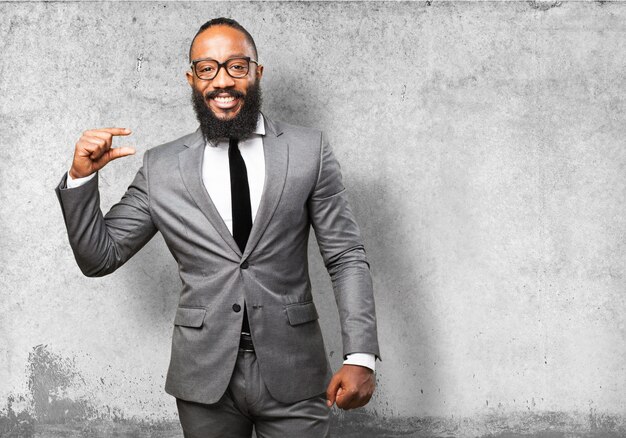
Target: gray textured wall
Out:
[482,145]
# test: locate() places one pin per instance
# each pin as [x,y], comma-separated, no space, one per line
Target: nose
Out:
[222,79]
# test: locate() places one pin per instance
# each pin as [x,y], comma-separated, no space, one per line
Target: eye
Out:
[205,67]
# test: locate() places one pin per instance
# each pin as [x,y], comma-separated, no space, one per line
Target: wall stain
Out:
[138,67]
[50,377]
[139,62]
[544,5]
[52,409]
[20,424]
[360,424]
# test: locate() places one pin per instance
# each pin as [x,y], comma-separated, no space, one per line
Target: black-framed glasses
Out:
[207,69]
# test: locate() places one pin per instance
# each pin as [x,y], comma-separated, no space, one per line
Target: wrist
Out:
[73,182]
[72,173]
[358,367]
[367,360]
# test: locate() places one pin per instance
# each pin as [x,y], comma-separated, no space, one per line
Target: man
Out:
[234,202]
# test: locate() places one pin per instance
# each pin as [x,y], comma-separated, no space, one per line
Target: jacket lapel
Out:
[276,153]
[190,161]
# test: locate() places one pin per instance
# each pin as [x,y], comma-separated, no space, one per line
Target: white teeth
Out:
[224,99]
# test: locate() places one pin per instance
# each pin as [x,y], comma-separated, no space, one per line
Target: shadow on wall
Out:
[401,270]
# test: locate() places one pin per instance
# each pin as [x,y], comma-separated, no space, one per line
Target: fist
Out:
[93,151]
[351,387]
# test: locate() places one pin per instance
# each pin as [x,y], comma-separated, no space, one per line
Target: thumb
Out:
[340,392]
[331,391]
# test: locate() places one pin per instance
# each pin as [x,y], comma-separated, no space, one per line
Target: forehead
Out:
[220,43]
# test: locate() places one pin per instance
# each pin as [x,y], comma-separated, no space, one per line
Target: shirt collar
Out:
[259,130]
[260,125]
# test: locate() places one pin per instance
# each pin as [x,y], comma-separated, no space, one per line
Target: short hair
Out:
[223,21]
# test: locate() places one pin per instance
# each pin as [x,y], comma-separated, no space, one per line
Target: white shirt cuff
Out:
[367,360]
[72,183]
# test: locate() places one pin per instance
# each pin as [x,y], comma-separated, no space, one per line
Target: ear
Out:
[189,76]
[259,71]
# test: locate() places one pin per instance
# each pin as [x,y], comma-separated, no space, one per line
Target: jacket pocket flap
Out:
[189,316]
[300,313]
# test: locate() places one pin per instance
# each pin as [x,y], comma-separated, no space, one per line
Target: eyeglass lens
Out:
[236,68]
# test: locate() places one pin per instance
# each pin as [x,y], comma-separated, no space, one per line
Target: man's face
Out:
[224,96]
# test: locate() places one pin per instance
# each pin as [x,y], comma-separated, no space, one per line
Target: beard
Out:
[241,126]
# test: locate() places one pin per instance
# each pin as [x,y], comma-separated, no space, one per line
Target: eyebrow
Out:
[236,55]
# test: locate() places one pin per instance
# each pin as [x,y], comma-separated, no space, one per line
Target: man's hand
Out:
[351,387]
[93,151]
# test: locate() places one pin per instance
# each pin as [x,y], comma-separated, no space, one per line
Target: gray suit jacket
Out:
[302,188]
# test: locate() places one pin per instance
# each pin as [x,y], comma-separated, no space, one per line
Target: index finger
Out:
[114,131]
[331,390]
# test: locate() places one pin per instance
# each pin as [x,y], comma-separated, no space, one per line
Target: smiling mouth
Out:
[224,102]
[224,99]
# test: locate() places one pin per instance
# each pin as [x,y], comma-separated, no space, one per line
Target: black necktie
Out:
[239,195]
[240,202]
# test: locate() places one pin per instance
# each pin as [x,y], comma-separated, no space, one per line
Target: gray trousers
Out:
[248,403]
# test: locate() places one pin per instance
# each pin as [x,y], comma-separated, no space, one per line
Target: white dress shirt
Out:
[216,179]
[216,172]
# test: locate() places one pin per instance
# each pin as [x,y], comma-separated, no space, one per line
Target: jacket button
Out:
[244,265]
[236,307]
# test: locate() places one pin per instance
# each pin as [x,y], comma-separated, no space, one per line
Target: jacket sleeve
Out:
[101,244]
[341,247]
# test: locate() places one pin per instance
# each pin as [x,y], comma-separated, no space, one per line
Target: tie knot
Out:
[233,142]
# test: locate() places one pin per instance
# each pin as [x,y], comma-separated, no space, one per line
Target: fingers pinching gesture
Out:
[93,151]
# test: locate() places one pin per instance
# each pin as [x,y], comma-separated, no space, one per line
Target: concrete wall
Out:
[483,148]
